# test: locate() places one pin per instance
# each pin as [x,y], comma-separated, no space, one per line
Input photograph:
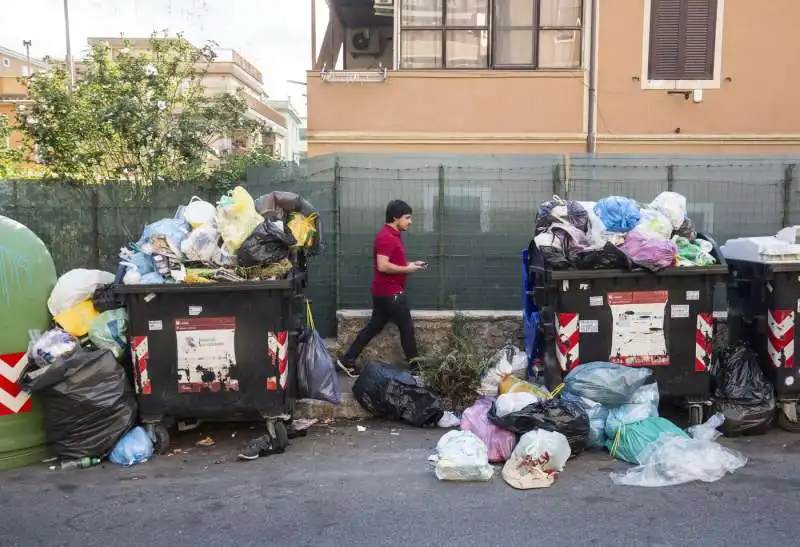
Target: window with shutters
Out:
[682,42]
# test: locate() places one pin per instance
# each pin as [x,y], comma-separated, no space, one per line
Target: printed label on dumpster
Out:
[692,296]
[206,354]
[194,311]
[638,319]
[679,311]
[155,325]
[595,301]
[588,326]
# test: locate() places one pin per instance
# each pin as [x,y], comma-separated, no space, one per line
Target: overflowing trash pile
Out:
[533,432]
[239,239]
[619,233]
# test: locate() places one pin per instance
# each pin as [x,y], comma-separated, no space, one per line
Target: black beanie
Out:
[397,209]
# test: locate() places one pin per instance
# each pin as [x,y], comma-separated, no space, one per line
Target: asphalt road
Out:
[341,487]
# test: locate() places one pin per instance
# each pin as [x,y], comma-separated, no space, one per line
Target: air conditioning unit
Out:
[384,7]
[363,41]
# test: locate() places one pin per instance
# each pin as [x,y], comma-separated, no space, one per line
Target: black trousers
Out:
[386,309]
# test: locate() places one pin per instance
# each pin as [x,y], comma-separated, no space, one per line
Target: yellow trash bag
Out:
[509,384]
[78,319]
[237,218]
[303,228]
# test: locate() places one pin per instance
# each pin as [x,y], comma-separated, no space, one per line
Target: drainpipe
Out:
[591,130]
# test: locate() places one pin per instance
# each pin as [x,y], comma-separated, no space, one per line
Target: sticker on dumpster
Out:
[679,311]
[595,301]
[206,354]
[638,319]
[589,326]
[692,296]
[155,325]
[194,311]
[13,400]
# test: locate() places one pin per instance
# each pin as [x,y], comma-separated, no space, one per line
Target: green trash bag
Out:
[691,254]
[110,331]
[632,439]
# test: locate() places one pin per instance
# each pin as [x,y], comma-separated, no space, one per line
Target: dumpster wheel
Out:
[695,414]
[786,423]
[160,435]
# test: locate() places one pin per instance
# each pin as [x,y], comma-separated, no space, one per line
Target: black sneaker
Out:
[262,446]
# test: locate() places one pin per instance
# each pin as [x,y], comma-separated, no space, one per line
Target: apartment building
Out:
[556,76]
[13,93]
[293,150]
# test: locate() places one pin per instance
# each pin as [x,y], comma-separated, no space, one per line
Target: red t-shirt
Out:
[388,243]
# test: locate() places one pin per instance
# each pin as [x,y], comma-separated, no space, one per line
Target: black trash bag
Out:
[316,373]
[554,258]
[607,257]
[547,214]
[562,415]
[392,393]
[267,245]
[742,393]
[105,299]
[87,401]
[280,205]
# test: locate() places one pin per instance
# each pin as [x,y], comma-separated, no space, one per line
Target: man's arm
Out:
[386,267]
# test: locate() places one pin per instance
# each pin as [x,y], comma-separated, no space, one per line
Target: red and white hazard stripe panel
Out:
[567,341]
[13,400]
[703,341]
[780,338]
[278,348]
[141,358]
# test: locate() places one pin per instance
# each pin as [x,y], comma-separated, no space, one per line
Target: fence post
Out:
[670,178]
[788,178]
[557,179]
[440,258]
[337,212]
[95,199]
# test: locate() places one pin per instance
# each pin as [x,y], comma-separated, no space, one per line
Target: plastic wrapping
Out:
[199,212]
[236,218]
[514,402]
[171,229]
[647,252]
[383,390]
[51,347]
[643,404]
[672,205]
[537,460]
[559,414]
[742,393]
[569,236]
[110,331]
[654,224]
[558,210]
[134,448]
[690,254]
[462,456]
[499,442]
[316,374]
[266,245]
[631,440]
[509,384]
[618,214]
[88,403]
[597,415]
[508,361]
[74,287]
[677,459]
[607,383]
[303,229]
[201,244]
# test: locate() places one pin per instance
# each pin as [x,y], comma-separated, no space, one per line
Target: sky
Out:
[275,35]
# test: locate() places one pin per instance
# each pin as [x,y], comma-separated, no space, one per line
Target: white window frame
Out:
[682,85]
[6,62]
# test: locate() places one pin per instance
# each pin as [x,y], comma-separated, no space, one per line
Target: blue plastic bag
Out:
[597,414]
[607,383]
[143,262]
[530,332]
[618,214]
[631,439]
[134,447]
[174,230]
[643,404]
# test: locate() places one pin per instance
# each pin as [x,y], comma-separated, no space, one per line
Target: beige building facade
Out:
[13,93]
[556,76]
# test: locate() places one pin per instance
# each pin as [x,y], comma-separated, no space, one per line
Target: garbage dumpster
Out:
[663,321]
[764,300]
[217,352]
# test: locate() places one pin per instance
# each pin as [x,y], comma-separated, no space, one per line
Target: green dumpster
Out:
[27,275]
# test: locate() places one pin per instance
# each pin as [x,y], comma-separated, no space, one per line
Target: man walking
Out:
[389,302]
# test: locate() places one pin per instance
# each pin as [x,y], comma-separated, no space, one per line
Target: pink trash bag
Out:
[649,253]
[499,442]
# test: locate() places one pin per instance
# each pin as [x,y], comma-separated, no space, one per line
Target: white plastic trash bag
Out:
[537,459]
[74,287]
[654,224]
[514,402]
[508,361]
[199,212]
[672,205]
[675,459]
[462,456]
[201,244]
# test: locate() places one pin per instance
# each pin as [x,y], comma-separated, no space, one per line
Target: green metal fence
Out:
[472,214]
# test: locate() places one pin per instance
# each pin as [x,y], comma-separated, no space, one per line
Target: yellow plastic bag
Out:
[303,228]
[78,319]
[509,384]
[237,218]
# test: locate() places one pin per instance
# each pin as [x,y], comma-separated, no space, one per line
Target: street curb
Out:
[321,410]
